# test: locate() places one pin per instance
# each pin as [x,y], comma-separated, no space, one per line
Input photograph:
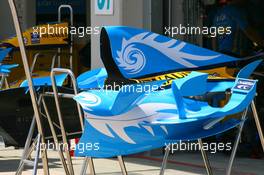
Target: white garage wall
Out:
[102,20]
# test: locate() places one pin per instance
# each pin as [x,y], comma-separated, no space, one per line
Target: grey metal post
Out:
[165,159]
[34,62]
[55,138]
[63,132]
[85,164]
[2,81]
[6,83]
[170,13]
[233,154]
[122,165]
[205,158]
[27,146]
[75,88]
[256,118]
[71,38]
[30,82]
[35,167]
[37,55]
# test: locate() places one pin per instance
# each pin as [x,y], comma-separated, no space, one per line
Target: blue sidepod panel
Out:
[92,79]
[154,120]
[45,81]
[138,52]
[3,53]
[5,68]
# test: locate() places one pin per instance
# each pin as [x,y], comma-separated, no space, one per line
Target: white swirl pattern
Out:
[90,100]
[133,60]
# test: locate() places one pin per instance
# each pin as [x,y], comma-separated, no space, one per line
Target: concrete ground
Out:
[179,163]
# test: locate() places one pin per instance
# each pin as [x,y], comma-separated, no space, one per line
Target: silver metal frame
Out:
[203,152]
[56,97]
[204,155]
[165,160]
[28,148]
[170,12]
[64,136]
[233,154]
[35,166]
[30,83]
[122,165]
[54,135]
[87,160]
[205,158]
[37,56]
[3,81]
[71,38]
[6,82]
[256,118]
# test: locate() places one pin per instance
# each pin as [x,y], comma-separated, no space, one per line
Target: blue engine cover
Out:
[138,53]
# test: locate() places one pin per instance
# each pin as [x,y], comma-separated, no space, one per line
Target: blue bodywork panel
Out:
[155,120]
[119,122]
[92,79]
[3,53]
[138,53]
[5,68]
[45,81]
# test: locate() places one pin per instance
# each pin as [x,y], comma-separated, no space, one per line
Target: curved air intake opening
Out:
[114,75]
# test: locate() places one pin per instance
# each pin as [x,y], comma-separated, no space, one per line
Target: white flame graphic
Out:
[133,59]
[143,113]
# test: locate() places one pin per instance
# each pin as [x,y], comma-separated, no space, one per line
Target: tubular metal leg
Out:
[233,154]
[2,81]
[57,102]
[75,87]
[30,82]
[27,156]
[122,165]
[91,166]
[205,158]
[6,83]
[55,138]
[256,118]
[26,147]
[88,160]
[84,166]
[165,159]
[35,168]
[71,37]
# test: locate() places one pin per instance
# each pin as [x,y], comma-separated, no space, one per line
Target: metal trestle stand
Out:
[30,83]
[258,125]
[3,81]
[56,95]
[232,157]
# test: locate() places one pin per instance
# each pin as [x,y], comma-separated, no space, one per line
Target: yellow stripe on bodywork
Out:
[221,73]
[57,38]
